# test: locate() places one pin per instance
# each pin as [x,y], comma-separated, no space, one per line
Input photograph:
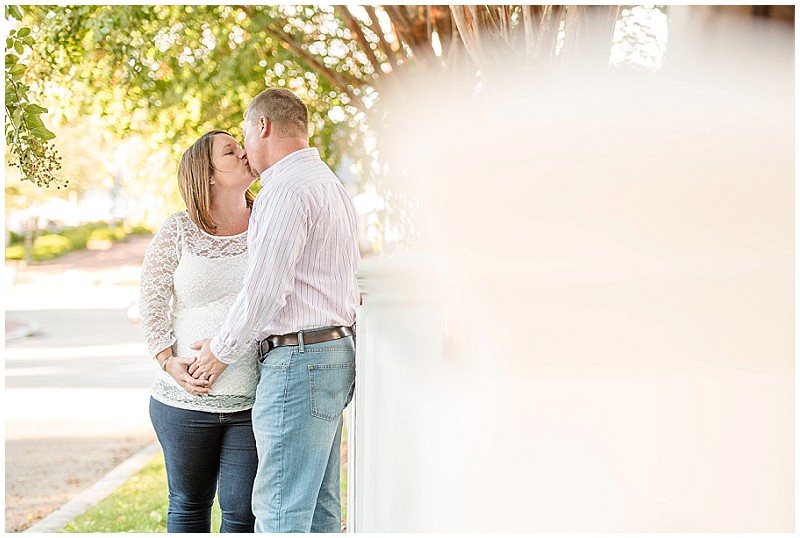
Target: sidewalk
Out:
[77,378]
[91,274]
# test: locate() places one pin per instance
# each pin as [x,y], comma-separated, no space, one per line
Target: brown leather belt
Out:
[309,337]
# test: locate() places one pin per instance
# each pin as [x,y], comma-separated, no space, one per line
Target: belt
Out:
[309,337]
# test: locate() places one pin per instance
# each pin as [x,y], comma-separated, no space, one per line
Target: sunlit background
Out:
[121,143]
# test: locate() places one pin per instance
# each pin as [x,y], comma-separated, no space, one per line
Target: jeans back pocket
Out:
[331,388]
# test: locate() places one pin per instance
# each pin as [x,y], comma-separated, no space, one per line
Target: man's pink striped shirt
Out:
[303,257]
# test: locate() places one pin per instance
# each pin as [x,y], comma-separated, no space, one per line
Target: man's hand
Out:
[178,368]
[206,365]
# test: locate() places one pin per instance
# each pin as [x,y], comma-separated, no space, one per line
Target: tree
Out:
[187,69]
[26,135]
[168,73]
[176,71]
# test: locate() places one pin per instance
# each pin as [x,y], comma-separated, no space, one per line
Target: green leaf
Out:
[11,59]
[42,133]
[24,31]
[14,11]
[33,120]
[18,69]
[18,47]
[35,109]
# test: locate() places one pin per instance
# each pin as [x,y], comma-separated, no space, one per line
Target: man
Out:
[298,300]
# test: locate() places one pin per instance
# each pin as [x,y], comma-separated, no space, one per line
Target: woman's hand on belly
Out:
[178,368]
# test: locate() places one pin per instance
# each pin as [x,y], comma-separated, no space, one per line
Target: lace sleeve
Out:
[156,289]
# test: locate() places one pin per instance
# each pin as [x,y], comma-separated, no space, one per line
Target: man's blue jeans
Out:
[203,450]
[297,421]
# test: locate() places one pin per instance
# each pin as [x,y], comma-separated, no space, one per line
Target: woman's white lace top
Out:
[190,279]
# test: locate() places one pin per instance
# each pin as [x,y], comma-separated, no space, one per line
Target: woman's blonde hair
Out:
[194,180]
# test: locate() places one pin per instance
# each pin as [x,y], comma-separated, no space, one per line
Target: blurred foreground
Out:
[591,329]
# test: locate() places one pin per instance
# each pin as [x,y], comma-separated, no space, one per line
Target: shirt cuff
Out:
[221,352]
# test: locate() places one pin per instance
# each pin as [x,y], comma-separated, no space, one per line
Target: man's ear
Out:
[264,127]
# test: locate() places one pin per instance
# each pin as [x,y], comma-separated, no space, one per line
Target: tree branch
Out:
[400,14]
[488,18]
[401,23]
[330,74]
[530,30]
[447,31]
[466,23]
[547,37]
[376,27]
[353,24]
[589,31]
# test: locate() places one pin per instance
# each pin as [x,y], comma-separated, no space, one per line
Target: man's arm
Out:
[276,239]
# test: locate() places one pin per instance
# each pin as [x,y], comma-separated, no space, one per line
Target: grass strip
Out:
[139,505]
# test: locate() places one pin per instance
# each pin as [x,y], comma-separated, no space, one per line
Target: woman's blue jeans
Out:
[202,450]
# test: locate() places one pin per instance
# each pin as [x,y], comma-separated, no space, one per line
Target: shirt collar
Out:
[287,161]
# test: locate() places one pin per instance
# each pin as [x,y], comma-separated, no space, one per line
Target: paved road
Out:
[76,392]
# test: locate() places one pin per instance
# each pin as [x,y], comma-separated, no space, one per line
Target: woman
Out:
[192,272]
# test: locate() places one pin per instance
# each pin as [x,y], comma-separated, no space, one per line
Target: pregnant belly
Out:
[196,325]
[241,377]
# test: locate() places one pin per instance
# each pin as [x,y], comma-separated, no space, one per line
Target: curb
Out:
[94,494]
[28,327]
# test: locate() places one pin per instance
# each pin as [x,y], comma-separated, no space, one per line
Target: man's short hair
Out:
[287,112]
